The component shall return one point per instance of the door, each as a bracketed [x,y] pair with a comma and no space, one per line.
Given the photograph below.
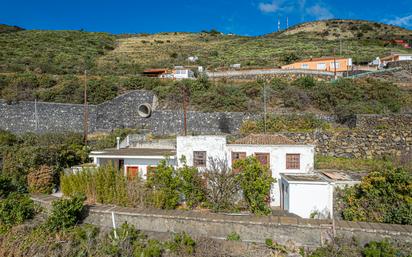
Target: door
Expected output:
[132,171]
[264,159]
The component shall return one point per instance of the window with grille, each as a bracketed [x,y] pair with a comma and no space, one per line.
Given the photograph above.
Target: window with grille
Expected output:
[199,158]
[292,161]
[237,156]
[263,158]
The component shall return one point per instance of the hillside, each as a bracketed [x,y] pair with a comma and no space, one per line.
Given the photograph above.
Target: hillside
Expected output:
[349,29]
[68,52]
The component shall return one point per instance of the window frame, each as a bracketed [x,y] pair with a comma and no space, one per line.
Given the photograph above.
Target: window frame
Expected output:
[293,164]
[204,159]
[241,156]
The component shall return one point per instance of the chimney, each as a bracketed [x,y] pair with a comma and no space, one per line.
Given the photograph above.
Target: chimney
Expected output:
[118,143]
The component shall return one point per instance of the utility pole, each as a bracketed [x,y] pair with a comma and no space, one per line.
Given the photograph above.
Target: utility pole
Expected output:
[185,100]
[36,115]
[264,106]
[85,110]
[334,63]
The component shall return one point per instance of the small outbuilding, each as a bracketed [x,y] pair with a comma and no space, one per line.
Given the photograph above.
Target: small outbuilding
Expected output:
[307,195]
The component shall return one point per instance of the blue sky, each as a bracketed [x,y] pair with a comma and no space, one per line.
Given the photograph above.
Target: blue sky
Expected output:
[245,17]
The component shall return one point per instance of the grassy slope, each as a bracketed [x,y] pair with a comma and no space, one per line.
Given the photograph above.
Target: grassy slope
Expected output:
[61,52]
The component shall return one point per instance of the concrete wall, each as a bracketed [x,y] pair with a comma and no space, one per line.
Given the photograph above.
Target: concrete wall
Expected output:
[303,232]
[304,199]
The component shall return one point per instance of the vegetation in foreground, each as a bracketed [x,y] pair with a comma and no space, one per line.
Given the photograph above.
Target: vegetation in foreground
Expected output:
[61,234]
[166,187]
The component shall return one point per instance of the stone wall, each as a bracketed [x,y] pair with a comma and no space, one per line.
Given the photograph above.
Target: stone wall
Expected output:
[281,229]
[121,112]
[406,65]
[358,143]
[270,73]
[393,121]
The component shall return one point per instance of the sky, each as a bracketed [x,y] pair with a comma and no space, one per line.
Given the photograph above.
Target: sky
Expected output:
[243,17]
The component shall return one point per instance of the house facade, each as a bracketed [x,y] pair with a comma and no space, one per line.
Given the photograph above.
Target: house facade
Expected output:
[322,64]
[395,58]
[281,155]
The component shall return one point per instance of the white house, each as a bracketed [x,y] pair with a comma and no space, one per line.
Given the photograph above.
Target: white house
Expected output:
[182,73]
[279,153]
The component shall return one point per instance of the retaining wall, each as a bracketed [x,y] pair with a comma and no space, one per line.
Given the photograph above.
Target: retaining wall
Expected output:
[303,232]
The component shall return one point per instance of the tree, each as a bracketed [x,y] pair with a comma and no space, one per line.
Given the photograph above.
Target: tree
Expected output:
[255,181]
[222,186]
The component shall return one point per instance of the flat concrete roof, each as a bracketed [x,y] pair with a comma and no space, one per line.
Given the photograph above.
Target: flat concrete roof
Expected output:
[298,177]
[134,152]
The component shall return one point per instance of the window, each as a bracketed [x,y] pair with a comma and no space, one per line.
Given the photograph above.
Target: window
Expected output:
[293,161]
[150,171]
[237,156]
[321,66]
[333,67]
[305,66]
[199,158]
[263,158]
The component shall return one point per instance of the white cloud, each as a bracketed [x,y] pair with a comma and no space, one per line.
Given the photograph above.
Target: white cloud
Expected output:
[272,7]
[319,12]
[405,21]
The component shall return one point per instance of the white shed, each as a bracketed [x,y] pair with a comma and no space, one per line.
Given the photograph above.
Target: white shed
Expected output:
[307,195]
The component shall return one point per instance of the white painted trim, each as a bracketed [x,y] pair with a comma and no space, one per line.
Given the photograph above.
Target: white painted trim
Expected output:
[262,145]
[157,157]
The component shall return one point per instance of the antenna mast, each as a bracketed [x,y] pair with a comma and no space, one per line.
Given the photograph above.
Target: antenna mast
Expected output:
[278,23]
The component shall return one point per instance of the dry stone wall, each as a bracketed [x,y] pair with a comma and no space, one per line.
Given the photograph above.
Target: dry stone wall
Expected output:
[373,135]
[358,143]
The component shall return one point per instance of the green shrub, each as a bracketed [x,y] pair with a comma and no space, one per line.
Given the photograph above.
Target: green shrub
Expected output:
[380,249]
[165,184]
[6,186]
[275,246]
[382,196]
[15,209]
[233,237]
[292,123]
[255,181]
[191,186]
[65,213]
[181,243]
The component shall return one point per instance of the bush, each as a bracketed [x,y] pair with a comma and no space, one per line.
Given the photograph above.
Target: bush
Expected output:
[165,185]
[222,186]
[383,196]
[191,186]
[233,237]
[292,123]
[15,209]
[65,213]
[6,186]
[380,249]
[255,181]
[40,180]
[182,243]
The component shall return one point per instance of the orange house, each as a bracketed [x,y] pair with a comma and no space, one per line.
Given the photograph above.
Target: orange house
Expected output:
[322,64]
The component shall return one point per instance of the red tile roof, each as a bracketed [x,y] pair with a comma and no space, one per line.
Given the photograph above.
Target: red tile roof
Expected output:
[264,139]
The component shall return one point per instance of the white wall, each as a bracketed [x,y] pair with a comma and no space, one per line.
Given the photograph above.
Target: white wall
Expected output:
[141,163]
[405,58]
[278,161]
[305,198]
[215,147]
